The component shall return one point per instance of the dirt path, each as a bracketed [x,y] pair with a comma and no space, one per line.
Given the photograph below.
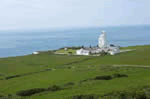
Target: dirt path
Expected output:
[133,65]
[127,50]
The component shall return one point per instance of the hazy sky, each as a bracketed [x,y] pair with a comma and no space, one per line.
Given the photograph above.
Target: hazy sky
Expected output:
[28,14]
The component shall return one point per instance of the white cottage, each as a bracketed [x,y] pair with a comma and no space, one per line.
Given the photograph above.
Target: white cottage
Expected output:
[82,52]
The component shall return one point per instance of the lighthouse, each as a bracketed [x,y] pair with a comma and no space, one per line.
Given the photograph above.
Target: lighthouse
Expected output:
[103,46]
[102,41]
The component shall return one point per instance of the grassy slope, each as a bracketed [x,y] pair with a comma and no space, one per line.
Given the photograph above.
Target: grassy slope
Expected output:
[138,57]
[83,70]
[31,63]
[66,52]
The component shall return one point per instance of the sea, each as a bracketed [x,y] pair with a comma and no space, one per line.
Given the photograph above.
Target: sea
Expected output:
[18,43]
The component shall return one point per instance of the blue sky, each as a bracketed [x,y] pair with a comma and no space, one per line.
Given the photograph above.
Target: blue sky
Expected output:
[32,14]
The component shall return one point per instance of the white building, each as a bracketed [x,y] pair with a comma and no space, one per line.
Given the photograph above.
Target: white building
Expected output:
[35,53]
[102,46]
[114,50]
[82,52]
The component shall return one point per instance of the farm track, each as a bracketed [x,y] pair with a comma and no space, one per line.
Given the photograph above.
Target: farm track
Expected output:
[145,66]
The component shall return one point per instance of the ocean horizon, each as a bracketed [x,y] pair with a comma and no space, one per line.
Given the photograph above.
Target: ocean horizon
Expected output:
[18,43]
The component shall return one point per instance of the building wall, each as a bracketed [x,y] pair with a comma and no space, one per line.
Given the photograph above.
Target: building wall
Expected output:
[82,52]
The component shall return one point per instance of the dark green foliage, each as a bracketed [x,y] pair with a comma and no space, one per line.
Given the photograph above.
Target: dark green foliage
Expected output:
[133,94]
[1,96]
[103,53]
[105,77]
[9,95]
[119,75]
[85,97]
[122,94]
[84,80]
[90,53]
[90,46]
[82,46]
[97,46]
[69,83]
[70,52]
[30,92]
[69,67]
[54,88]
[14,76]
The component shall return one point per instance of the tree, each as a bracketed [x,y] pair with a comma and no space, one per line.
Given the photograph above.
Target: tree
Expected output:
[70,53]
[82,46]
[97,46]
[103,53]
[90,46]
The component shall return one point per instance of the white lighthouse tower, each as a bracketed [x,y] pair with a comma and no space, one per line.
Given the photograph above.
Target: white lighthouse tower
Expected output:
[102,41]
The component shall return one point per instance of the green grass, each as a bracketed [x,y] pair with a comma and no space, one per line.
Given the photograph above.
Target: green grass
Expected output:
[32,63]
[74,69]
[67,51]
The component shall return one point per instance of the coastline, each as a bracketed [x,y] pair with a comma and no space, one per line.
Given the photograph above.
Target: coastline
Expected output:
[127,47]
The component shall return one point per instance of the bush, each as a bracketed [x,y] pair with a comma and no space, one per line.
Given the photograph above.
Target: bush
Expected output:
[54,88]
[14,76]
[9,95]
[1,96]
[70,52]
[30,92]
[105,77]
[119,75]
[127,94]
[69,83]
[48,69]
[85,97]
[103,53]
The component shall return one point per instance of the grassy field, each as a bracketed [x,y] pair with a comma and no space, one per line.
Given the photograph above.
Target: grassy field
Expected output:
[67,51]
[70,77]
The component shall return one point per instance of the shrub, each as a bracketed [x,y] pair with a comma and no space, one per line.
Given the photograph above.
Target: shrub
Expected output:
[105,77]
[85,97]
[126,94]
[14,76]
[69,83]
[9,95]
[103,53]
[70,52]
[48,69]
[1,96]
[84,80]
[30,92]
[69,67]
[119,75]
[54,88]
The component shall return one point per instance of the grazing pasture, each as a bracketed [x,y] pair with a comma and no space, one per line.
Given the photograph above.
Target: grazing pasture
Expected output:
[50,76]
